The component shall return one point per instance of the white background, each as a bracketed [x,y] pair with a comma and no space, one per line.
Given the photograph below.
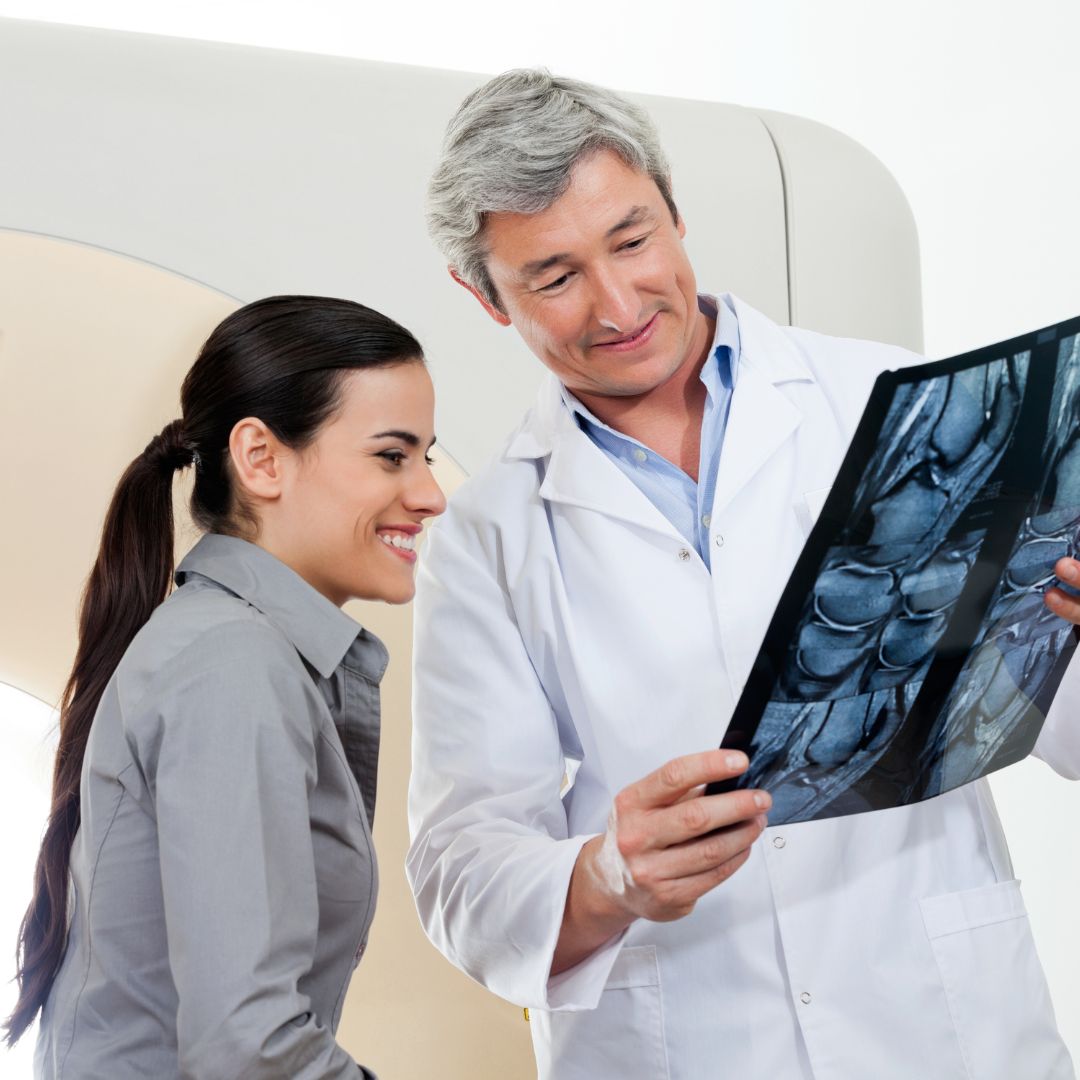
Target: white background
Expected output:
[973,106]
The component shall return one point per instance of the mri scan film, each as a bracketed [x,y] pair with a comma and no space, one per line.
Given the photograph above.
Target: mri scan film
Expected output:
[911,651]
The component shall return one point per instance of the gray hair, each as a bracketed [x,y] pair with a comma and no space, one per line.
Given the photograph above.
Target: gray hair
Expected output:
[512,146]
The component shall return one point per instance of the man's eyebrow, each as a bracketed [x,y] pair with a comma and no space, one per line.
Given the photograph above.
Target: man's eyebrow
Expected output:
[634,216]
[538,266]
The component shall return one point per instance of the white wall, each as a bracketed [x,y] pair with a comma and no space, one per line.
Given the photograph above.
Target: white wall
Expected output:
[972,105]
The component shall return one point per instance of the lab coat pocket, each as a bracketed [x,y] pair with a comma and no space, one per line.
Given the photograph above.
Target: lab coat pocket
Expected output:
[624,1035]
[808,508]
[994,984]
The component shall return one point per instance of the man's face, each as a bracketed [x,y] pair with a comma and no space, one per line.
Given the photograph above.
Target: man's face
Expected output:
[599,285]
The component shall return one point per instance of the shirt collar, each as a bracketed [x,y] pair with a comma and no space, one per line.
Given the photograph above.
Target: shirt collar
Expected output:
[721,365]
[319,630]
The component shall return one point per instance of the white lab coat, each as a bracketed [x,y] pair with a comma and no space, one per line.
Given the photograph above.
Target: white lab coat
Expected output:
[560,615]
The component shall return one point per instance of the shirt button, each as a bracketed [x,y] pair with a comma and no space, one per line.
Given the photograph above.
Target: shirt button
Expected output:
[640,456]
[778,841]
[805,998]
[684,554]
[706,520]
[719,540]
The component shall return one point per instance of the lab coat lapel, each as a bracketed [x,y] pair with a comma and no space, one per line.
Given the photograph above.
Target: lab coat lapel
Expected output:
[761,418]
[578,473]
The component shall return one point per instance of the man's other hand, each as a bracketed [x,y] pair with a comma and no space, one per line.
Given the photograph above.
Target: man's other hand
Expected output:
[1059,601]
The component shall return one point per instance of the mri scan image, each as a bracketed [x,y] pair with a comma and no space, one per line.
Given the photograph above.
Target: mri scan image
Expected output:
[911,651]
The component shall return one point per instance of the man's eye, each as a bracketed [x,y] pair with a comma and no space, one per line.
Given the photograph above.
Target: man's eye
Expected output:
[552,285]
[633,245]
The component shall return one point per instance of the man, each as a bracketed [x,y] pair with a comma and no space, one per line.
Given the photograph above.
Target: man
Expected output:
[597,596]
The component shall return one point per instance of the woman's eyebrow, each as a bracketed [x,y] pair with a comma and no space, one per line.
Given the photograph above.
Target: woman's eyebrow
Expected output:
[404,436]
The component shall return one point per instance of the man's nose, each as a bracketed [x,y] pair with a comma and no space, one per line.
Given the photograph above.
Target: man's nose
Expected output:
[615,302]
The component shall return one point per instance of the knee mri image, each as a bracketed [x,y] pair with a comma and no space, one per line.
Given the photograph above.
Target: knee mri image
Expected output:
[911,651]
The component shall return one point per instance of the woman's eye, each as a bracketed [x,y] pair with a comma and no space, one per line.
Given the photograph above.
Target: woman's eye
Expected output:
[395,457]
[429,459]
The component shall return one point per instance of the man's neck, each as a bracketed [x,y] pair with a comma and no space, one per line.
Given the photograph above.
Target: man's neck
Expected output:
[668,418]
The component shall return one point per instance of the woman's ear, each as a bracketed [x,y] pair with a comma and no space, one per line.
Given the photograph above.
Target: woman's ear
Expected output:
[257,458]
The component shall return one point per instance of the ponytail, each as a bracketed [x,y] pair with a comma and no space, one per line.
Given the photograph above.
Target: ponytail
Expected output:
[130,578]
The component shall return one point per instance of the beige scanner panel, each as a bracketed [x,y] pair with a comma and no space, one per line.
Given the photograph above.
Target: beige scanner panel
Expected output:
[93,348]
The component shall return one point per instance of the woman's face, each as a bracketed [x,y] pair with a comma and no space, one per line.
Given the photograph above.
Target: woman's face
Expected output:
[352,502]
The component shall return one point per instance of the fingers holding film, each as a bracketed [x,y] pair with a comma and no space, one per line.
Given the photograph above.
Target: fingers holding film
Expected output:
[678,777]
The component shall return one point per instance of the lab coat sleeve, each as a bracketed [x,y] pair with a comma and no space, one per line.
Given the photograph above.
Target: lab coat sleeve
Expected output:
[491,859]
[1059,741]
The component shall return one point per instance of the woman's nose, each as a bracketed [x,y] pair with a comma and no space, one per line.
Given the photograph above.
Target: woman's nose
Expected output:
[425,496]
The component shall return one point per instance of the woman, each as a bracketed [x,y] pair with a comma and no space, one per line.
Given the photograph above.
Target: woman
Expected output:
[215,815]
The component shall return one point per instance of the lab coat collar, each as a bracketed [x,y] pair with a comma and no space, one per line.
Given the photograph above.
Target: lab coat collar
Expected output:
[762,417]
[765,347]
[761,420]
[581,475]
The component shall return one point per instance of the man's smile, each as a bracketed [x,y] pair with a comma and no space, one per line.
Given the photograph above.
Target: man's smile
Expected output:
[627,342]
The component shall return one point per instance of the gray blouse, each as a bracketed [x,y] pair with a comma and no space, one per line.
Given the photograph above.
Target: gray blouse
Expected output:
[223,878]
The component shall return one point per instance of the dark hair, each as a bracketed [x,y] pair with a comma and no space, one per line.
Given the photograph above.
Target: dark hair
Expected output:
[283,360]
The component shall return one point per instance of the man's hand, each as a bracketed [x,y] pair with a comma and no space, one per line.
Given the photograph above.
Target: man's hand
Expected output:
[666,845]
[1059,601]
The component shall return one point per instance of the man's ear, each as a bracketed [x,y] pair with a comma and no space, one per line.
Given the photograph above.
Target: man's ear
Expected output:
[257,458]
[499,316]
[680,223]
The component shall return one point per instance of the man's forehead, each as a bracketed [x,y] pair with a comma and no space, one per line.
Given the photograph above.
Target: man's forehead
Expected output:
[605,195]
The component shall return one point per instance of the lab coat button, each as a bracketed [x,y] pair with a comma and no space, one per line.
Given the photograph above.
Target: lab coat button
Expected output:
[805,998]
[684,554]
[719,541]
[778,841]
